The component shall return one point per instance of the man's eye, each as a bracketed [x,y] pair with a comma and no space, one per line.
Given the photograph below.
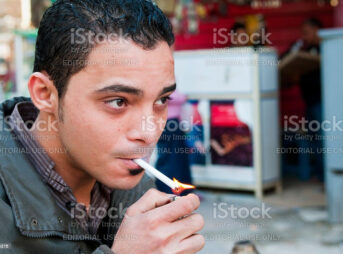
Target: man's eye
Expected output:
[116,103]
[164,100]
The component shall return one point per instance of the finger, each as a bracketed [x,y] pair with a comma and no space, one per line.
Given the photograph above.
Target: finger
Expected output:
[192,244]
[150,200]
[180,207]
[188,226]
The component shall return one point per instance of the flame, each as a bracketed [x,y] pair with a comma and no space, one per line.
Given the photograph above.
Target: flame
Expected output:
[181,187]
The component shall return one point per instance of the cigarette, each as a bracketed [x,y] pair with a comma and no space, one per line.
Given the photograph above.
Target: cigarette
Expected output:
[157,174]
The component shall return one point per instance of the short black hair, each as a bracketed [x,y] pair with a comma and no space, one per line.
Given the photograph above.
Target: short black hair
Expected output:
[313,22]
[58,55]
[237,25]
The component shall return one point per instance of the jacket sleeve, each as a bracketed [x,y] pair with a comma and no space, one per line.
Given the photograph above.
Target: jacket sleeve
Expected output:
[103,249]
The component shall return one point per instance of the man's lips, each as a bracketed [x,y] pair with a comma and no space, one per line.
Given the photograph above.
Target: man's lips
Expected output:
[134,169]
[129,163]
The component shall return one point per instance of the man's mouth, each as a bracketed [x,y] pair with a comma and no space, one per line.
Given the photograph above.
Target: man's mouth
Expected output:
[135,172]
[133,168]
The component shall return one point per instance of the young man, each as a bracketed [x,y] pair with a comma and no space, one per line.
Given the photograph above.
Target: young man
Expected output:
[102,77]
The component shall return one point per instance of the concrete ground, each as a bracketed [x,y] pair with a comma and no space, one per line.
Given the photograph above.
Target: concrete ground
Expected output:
[289,223]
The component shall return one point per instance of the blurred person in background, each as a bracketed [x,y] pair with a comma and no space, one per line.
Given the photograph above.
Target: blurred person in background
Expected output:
[310,87]
[309,41]
[239,35]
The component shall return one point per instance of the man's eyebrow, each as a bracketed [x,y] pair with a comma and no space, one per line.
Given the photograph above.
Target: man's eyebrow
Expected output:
[168,89]
[131,90]
[120,89]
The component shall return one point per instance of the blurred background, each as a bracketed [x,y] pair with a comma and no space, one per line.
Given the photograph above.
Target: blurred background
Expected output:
[259,113]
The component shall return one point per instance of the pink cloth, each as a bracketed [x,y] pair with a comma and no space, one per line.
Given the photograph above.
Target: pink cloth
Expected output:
[175,105]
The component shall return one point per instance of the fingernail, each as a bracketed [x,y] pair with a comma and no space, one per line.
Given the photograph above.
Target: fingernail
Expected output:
[176,197]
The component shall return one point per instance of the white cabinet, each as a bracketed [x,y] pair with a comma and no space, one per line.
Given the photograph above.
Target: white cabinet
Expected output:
[248,79]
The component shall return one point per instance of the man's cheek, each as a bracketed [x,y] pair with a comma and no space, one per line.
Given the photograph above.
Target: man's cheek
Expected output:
[160,131]
[164,122]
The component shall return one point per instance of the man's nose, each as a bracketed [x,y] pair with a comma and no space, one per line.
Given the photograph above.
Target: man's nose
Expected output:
[146,129]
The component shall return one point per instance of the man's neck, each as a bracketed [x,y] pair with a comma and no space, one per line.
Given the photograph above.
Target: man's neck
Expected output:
[78,180]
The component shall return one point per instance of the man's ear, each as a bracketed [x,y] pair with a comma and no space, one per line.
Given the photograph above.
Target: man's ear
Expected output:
[43,93]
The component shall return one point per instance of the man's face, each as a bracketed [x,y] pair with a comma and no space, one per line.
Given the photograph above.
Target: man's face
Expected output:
[310,34]
[240,38]
[115,110]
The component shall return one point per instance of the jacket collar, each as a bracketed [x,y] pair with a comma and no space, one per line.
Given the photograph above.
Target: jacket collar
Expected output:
[35,210]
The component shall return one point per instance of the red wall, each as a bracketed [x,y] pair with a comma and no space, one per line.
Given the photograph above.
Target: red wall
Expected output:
[283,24]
